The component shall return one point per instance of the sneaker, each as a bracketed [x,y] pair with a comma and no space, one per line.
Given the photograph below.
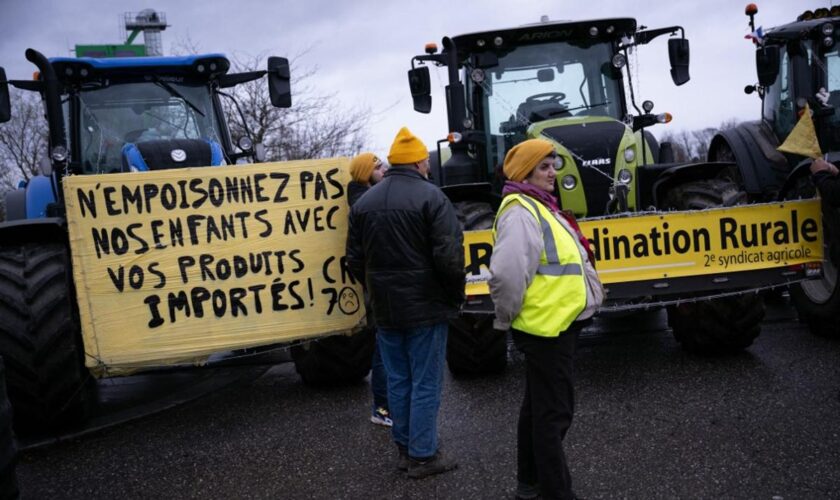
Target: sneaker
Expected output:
[436,464]
[402,458]
[381,417]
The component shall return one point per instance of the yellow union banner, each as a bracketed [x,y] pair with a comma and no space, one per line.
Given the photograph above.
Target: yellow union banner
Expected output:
[679,244]
[175,265]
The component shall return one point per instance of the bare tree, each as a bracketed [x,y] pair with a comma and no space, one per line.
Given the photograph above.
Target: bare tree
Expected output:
[23,140]
[693,145]
[315,126]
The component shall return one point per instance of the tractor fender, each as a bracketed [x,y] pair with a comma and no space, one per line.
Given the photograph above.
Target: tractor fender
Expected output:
[45,229]
[752,147]
[38,194]
[681,174]
[478,191]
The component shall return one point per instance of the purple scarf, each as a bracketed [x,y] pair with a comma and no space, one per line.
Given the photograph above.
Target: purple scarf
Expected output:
[544,197]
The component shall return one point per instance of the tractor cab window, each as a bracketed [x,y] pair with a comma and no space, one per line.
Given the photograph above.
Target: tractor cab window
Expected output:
[534,83]
[111,115]
[832,86]
[779,107]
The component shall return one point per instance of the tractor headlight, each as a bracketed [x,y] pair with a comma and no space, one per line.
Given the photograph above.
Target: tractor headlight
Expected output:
[559,163]
[828,41]
[59,153]
[568,182]
[827,29]
[629,154]
[625,176]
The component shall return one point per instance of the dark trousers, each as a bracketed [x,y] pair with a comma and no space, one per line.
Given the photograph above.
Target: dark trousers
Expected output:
[546,412]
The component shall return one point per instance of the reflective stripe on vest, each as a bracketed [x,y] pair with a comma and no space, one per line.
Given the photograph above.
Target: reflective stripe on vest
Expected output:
[557,294]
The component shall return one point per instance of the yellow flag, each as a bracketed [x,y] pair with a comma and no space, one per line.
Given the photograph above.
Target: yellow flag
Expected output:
[803,138]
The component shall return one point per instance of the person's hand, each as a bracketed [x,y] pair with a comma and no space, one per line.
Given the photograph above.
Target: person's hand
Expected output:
[820,165]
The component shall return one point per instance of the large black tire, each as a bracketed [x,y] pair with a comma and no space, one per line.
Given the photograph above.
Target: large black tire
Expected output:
[719,326]
[8,448]
[40,342]
[336,360]
[474,347]
[818,301]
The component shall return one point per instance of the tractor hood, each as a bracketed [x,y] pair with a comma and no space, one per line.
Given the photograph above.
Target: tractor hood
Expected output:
[591,146]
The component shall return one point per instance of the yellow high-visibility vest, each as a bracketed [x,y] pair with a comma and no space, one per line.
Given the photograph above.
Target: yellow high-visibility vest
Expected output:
[557,294]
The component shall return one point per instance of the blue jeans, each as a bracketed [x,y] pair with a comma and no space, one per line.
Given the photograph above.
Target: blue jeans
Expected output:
[414,359]
[378,381]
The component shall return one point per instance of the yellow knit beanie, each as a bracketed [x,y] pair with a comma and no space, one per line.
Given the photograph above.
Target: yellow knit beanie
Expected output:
[407,149]
[524,157]
[361,167]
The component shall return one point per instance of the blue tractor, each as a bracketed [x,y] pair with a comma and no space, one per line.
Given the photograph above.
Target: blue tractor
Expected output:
[104,115]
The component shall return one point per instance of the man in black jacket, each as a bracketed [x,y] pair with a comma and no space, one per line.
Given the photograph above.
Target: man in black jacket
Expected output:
[406,245]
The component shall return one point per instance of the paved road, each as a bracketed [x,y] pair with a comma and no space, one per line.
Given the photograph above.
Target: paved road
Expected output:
[652,422]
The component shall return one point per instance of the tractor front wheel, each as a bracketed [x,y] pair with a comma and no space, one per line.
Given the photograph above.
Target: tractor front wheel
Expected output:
[48,384]
[717,326]
[473,346]
[336,360]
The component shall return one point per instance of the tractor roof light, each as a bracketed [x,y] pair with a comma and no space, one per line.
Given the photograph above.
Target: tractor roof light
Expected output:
[835,11]
[480,42]
[498,41]
[593,31]
[245,143]
[805,16]
[610,29]
[431,48]
[821,13]
[619,61]
[751,10]
[664,118]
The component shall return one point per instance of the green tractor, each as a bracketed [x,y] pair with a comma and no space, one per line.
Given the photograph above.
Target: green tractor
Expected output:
[565,82]
[797,64]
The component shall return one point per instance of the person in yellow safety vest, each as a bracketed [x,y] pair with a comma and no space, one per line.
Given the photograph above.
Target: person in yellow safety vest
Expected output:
[543,284]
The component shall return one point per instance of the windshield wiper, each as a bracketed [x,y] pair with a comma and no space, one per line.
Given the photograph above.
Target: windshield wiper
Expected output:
[589,107]
[173,91]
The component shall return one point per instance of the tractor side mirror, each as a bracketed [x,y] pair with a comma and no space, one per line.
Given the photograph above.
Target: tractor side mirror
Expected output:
[279,82]
[421,88]
[767,64]
[678,55]
[5,105]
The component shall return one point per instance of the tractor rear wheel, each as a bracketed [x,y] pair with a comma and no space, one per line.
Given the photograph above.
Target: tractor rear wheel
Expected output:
[474,347]
[40,342]
[717,326]
[336,360]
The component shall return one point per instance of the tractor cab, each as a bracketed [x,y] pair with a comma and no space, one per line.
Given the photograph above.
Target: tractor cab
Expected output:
[799,63]
[133,114]
[561,81]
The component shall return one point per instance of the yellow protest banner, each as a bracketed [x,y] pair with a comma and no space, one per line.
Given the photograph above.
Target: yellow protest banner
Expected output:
[174,265]
[802,140]
[679,244]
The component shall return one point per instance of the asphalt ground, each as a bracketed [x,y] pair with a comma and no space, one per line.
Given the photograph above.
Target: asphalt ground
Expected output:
[651,422]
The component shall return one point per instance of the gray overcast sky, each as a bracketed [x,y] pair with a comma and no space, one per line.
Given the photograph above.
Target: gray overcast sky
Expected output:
[362,48]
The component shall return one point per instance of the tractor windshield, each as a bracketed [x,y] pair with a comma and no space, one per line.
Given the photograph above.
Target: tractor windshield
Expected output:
[112,115]
[533,83]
